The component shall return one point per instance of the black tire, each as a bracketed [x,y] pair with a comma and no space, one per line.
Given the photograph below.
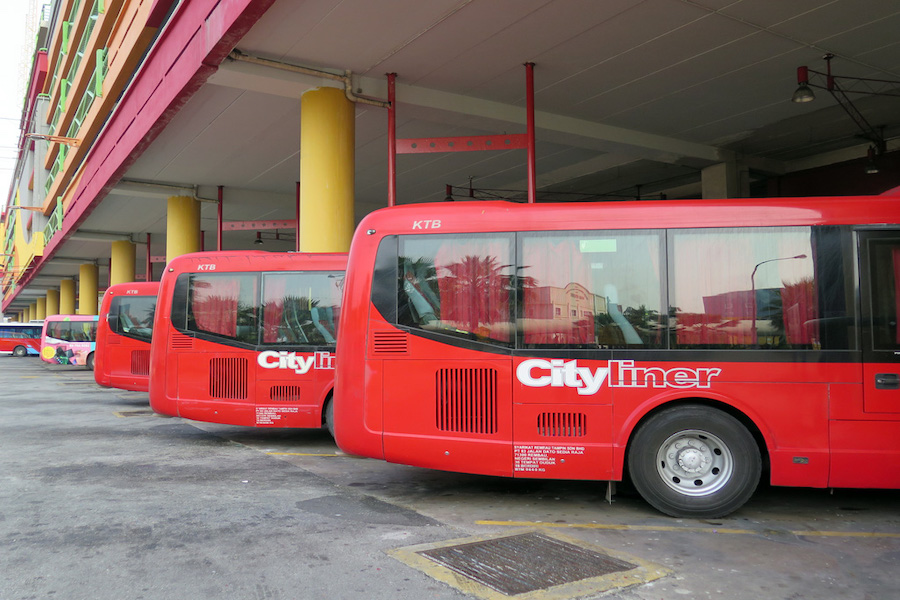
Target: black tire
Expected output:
[329,415]
[19,351]
[694,461]
[89,362]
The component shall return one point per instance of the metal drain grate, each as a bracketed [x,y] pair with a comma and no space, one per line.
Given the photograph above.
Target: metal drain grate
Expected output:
[525,563]
[135,413]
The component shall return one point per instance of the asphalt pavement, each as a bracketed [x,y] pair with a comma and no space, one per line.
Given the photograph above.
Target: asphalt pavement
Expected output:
[102,499]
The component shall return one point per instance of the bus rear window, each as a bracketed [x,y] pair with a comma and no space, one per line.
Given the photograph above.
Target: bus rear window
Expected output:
[134,316]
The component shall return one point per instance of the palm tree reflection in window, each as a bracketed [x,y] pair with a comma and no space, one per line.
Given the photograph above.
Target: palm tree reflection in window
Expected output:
[468,297]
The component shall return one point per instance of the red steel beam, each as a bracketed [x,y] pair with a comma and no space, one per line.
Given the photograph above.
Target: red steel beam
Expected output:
[258,225]
[518,141]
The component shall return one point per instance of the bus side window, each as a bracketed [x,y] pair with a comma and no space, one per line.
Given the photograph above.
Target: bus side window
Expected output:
[224,305]
[590,289]
[300,307]
[885,269]
[744,288]
[460,285]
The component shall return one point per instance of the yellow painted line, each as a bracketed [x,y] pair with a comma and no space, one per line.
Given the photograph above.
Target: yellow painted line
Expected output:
[677,529]
[301,454]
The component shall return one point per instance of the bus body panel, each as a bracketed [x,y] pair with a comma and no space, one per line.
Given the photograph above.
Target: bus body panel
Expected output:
[865,454]
[244,392]
[809,413]
[882,397]
[472,401]
[123,361]
[69,339]
[206,378]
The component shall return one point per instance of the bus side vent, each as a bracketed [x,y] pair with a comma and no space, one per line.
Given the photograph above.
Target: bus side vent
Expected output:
[228,378]
[562,424]
[284,393]
[389,342]
[466,400]
[140,362]
[181,342]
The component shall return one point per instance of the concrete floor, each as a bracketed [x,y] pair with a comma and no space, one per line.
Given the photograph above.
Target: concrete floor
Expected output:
[101,499]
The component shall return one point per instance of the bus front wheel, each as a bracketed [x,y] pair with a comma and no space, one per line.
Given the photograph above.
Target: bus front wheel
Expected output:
[695,462]
[19,351]
[89,362]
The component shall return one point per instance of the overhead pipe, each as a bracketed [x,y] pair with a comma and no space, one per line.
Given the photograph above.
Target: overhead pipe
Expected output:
[346,78]
[392,140]
[219,220]
[149,267]
[297,208]
[529,108]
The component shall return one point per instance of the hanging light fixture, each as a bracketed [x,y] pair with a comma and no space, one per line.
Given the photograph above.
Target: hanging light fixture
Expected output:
[839,86]
[258,241]
[871,166]
[803,93]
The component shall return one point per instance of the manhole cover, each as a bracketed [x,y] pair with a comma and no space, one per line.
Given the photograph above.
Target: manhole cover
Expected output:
[528,565]
[524,563]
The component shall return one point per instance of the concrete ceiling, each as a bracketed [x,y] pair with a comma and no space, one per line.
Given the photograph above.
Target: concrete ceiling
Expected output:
[628,93]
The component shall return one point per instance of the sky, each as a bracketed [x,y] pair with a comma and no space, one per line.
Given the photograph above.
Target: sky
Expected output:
[16,46]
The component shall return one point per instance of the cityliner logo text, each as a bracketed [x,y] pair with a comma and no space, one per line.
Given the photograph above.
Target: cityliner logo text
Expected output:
[538,372]
[270,359]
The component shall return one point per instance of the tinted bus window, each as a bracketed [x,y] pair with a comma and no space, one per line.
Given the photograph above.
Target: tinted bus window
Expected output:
[461,286]
[590,289]
[134,316]
[301,308]
[295,308]
[885,260]
[744,288]
[223,306]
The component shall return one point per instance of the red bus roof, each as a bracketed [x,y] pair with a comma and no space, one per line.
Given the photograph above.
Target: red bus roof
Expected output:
[258,260]
[453,217]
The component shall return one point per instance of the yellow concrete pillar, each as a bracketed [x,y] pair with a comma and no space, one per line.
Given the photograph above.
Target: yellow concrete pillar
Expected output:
[88,276]
[52,302]
[67,297]
[182,226]
[32,311]
[327,142]
[41,308]
[121,262]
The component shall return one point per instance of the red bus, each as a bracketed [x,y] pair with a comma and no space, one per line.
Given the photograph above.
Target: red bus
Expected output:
[124,331]
[20,339]
[247,338]
[694,345]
